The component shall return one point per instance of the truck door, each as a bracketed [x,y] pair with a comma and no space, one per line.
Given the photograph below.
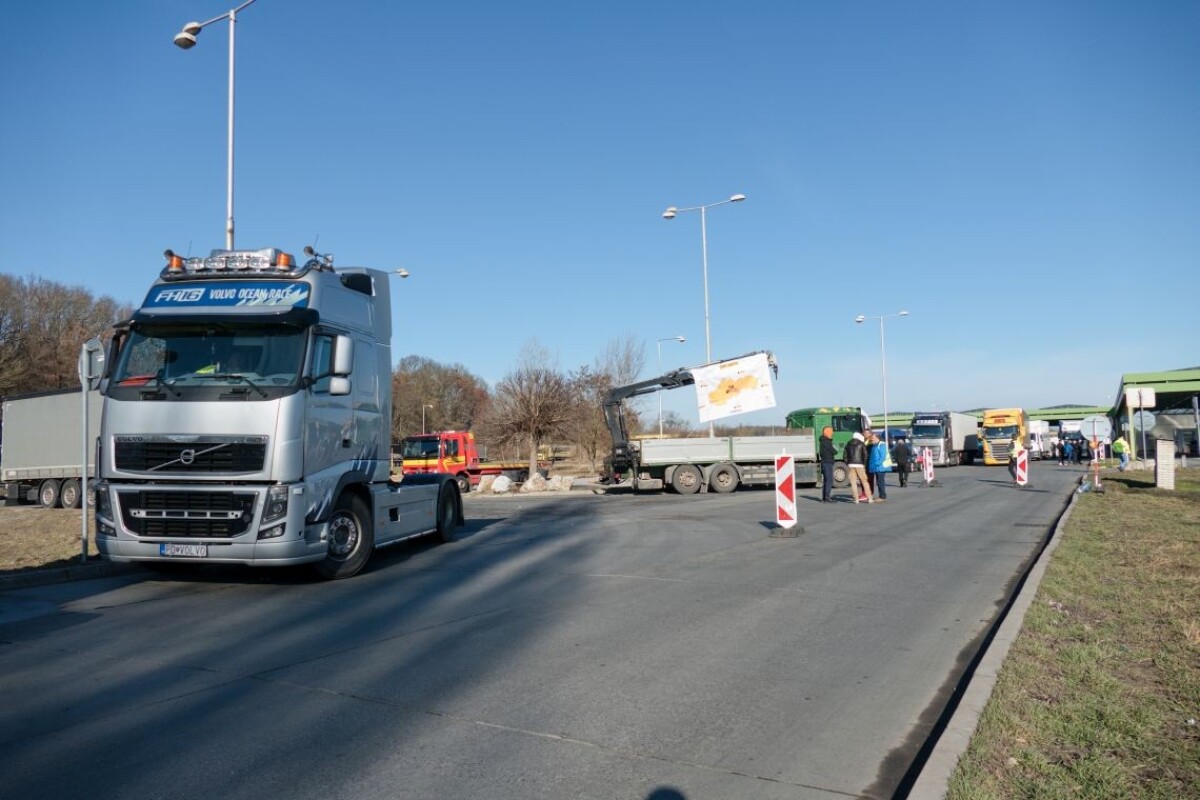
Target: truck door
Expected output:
[328,429]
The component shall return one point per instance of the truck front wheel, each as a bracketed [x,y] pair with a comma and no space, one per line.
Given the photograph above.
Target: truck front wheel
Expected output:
[351,539]
[48,493]
[841,475]
[447,514]
[686,479]
[464,482]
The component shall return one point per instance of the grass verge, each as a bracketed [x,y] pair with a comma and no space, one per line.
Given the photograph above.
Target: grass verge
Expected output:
[1099,696]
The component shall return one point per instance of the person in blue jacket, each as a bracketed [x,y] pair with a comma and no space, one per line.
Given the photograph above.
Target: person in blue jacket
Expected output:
[876,468]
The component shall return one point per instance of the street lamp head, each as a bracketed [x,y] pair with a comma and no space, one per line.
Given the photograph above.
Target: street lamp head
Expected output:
[669,213]
[902,314]
[402,272]
[860,318]
[737,198]
[186,38]
[680,339]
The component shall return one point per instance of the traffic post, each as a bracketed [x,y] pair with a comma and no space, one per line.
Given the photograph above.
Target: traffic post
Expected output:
[1022,467]
[785,497]
[927,467]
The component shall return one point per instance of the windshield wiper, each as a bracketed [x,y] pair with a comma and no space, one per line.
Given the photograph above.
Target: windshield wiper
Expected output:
[230,376]
[159,383]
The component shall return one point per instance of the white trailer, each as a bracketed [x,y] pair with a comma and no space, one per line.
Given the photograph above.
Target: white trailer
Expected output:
[1039,439]
[43,446]
[689,465]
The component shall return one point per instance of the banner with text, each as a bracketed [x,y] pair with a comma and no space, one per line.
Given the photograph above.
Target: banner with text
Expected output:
[734,387]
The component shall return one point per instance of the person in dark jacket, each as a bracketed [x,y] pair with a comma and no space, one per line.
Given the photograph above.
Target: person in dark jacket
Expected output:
[902,457]
[856,462]
[828,455]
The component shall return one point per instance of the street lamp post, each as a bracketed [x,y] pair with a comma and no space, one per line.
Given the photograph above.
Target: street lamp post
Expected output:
[670,213]
[681,340]
[186,39]
[883,355]
[423,407]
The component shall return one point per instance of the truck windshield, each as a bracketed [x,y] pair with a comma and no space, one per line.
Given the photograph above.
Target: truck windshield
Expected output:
[927,432]
[178,355]
[1000,431]
[419,448]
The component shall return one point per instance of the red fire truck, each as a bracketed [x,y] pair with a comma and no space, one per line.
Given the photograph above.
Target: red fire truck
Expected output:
[455,453]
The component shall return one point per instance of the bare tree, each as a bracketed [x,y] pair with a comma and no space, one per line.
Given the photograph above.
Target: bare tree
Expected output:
[532,404]
[619,364]
[43,325]
[450,397]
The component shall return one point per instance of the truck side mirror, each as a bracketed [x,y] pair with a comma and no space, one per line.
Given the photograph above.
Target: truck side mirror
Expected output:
[339,386]
[343,357]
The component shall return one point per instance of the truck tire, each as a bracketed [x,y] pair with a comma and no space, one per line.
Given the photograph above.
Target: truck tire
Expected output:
[841,475]
[447,514]
[464,482]
[69,494]
[49,493]
[351,539]
[686,479]
[724,478]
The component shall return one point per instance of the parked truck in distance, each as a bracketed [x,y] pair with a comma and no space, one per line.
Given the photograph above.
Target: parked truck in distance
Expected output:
[247,419]
[845,421]
[952,438]
[1039,439]
[455,453]
[999,427]
[42,448]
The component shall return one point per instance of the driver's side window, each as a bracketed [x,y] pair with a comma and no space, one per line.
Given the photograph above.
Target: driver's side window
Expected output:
[322,362]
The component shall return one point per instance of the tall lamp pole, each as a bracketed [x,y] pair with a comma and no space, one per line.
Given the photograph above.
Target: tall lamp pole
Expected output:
[681,340]
[186,39]
[671,213]
[423,407]
[883,355]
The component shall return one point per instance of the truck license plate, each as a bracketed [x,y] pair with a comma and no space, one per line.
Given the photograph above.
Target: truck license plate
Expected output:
[183,550]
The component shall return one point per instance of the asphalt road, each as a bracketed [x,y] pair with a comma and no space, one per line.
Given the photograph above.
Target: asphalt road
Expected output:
[563,647]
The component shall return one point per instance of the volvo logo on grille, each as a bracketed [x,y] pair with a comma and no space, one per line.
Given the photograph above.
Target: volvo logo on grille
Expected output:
[187,456]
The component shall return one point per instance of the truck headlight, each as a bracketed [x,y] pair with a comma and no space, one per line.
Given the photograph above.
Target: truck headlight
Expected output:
[276,507]
[104,515]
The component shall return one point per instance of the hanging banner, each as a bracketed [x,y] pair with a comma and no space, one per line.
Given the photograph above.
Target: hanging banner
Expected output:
[734,387]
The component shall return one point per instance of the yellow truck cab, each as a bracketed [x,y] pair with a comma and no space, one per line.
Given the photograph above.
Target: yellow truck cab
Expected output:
[999,425]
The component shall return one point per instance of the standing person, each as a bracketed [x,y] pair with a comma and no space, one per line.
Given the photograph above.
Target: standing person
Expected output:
[902,456]
[1122,452]
[1014,449]
[856,462]
[828,455]
[877,469]
[1068,451]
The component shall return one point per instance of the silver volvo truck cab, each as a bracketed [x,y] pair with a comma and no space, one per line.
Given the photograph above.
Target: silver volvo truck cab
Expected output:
[247,419]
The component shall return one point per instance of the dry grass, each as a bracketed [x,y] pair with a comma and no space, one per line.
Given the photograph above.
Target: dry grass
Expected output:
[1100,694]
[32,537]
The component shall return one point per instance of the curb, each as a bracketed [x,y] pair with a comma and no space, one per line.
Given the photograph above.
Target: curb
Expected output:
[933,782]
[79,572]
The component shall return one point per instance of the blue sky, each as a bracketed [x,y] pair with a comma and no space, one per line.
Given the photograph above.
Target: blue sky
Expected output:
[1022,177]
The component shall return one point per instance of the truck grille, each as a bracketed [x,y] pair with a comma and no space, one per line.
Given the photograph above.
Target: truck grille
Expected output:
[1000,451]
[205,454]
[219,515]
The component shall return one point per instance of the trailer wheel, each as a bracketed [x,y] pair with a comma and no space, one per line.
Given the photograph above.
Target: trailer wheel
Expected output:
[448,514]
[723,479]
[464,482]
[351,539]
[48,493]
[69,494]
[522,476]
[686,479]
[841,475]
